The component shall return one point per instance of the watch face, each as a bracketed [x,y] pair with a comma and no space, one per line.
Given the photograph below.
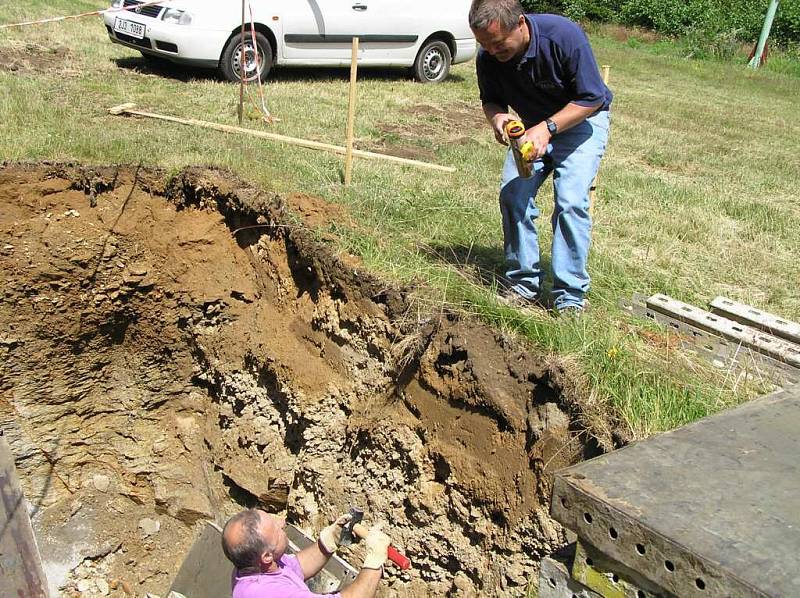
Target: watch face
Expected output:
[552,127]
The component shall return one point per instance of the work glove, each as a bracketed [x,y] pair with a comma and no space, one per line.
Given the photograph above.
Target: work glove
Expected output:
[377,544]
[330,536]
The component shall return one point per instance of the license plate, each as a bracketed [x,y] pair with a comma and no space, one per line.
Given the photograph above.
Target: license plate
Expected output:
[131,28]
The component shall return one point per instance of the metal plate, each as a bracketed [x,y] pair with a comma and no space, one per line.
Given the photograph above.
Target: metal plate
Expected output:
[555,580]
[722,353]
[20,564]
[609,578]
[710,509]
[770,345]
[756,318]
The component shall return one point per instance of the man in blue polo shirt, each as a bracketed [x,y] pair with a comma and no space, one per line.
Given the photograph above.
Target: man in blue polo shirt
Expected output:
[543,68]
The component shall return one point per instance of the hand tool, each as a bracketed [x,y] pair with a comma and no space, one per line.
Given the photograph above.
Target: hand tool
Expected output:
[354,529]
[522,150]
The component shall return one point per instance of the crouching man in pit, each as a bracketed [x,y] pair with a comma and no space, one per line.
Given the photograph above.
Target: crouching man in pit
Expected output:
[254,541]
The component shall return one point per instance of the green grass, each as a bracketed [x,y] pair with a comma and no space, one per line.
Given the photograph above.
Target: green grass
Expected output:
[698,191]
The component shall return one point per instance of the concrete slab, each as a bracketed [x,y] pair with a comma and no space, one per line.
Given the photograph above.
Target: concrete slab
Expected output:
[710,509]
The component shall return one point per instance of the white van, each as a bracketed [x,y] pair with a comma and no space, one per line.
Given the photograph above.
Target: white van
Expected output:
[427,36]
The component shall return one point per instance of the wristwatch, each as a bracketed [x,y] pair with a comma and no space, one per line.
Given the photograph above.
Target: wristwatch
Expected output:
[551,126]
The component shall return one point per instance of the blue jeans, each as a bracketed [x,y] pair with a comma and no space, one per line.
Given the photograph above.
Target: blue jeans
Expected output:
[573,157]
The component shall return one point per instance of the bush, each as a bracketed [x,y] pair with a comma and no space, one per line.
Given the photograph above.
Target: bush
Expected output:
[703,20]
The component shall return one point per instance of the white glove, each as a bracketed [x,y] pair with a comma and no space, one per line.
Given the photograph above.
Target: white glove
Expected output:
[377,544]
[330,536]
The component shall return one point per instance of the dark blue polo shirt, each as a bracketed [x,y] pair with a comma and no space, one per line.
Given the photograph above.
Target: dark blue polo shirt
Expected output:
[557,68]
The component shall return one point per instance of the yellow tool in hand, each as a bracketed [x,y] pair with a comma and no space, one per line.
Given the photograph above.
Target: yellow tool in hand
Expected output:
[523,150]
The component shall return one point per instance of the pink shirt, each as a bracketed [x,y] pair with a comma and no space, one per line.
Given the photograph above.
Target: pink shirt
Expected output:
[286,582]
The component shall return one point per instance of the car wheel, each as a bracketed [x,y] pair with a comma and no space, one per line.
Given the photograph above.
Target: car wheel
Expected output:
[433,62]
[231,62]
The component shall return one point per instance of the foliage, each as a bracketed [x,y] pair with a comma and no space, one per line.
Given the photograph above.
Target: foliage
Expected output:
[704,20]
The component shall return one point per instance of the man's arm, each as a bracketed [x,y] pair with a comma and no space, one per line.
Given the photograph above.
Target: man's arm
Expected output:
[588,89]
[566,118]
[497,117]
[313,558]
[366,584]
[571,115]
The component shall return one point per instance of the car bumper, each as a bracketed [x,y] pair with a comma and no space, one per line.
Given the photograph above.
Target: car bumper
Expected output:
[179,43]
[465,50]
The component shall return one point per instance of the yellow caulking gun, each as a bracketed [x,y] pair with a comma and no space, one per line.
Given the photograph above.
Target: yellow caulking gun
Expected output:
[523,150]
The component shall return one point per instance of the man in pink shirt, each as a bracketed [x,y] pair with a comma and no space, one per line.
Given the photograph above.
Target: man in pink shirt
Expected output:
[254,541]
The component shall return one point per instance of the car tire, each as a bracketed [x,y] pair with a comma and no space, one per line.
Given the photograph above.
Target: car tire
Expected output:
[229,63]
[433,62]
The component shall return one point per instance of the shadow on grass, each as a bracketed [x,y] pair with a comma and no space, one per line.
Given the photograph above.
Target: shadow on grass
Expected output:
[164,68]
[482,264]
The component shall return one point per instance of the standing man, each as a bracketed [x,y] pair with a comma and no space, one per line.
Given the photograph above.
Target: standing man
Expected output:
[254,541]
[543,67]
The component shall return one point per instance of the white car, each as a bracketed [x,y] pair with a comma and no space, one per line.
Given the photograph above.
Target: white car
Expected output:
[427,35]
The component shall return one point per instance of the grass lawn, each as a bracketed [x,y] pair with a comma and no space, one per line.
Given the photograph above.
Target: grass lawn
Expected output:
[698,194]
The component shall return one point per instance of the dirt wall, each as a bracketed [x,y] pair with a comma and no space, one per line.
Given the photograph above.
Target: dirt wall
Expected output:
[175,348]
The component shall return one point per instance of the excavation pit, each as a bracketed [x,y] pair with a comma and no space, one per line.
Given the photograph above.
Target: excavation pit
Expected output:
[175,348]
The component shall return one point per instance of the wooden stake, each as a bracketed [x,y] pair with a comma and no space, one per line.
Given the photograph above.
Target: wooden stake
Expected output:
[351,114]
[593,189]
[606,71]
[129,108]
[240,112]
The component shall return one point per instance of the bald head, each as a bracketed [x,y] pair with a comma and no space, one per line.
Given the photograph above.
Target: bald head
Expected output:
[254,540]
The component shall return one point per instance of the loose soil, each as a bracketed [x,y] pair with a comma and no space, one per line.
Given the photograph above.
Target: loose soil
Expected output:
[32,58]
[431,126]
[173,349]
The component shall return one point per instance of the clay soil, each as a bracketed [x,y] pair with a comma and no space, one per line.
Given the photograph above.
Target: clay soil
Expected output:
[173,349]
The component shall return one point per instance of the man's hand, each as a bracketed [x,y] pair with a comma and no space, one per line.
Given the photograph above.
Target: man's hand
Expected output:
[330,536]
[498,122]
[539,136]
[377,544]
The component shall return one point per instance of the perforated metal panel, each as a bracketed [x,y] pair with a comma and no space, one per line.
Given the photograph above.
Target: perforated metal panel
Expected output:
[764,321]
[710,509]
[555,580]
[609,578]
[724,353]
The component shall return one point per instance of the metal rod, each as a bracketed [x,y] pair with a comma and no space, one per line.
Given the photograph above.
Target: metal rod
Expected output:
[755,62]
